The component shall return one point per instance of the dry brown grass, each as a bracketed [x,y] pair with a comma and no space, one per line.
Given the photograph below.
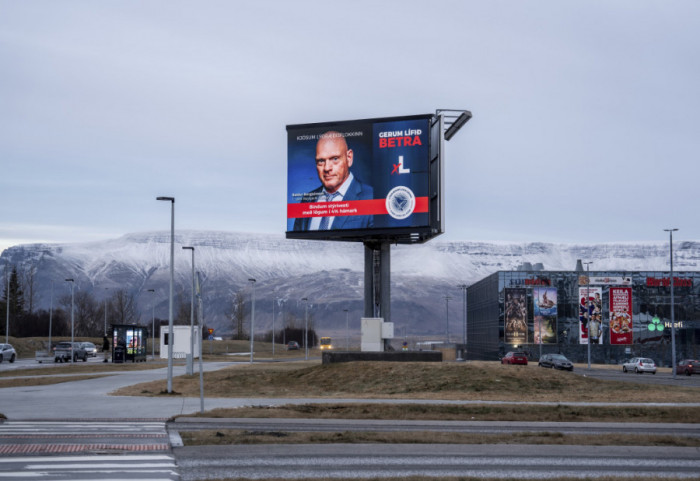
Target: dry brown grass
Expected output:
[233,436]
[488,381]
[462,412]
[41,381]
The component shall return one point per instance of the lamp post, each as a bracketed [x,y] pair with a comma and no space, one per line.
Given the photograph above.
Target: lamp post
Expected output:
[72,319]
[347,331]
[50,316]
[464,309]
[306,327]
[7,319]
[189,364]
[252,321]
[105,329]
[274,301]
[447,317]
[153,324]
[588,309]
[172,282]
[673,317]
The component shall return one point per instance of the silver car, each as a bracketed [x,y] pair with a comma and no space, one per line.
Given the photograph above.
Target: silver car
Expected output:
[640,365]
[7,353]
[89,348]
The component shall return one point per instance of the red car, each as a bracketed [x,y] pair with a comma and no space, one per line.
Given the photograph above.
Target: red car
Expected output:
[515,357]
[688,367]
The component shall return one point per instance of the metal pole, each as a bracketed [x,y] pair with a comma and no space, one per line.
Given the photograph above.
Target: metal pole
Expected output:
[447,317]
[105,329]
[588,309]
[189,365]
[252,321]
[464,309]
[7,319]
[673,317]
[347,331]
[201,368]
[273,327]
[72,320]
[306,328]
[50,316]
[172,282]
[153,324]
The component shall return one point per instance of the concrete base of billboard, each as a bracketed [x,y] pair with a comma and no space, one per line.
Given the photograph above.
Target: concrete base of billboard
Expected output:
[397,356]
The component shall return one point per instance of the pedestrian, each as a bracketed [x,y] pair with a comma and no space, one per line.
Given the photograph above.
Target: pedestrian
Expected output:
[105,348]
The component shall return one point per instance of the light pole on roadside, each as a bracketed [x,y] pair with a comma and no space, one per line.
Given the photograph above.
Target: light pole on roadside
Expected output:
[306,328]
[153,324]
[589,310]
[105,333]
[252,320]
[447,317]
[347,330]
[7,301]
[190,368]
[172,282]
[72,320]
[464,313]
[673,317]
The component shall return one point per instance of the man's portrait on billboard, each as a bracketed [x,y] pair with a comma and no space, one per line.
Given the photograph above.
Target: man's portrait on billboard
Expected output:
[334,160]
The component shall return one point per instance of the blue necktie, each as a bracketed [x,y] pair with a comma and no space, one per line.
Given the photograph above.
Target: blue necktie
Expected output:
[325,221]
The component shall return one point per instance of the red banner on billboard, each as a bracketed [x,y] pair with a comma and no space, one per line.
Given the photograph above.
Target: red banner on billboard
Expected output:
[352,207]
[620,315]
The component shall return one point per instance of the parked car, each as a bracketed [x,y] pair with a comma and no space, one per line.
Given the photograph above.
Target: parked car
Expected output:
[64,350]
[556,361]
[90,348]
[7,353]
[515,357]
[640,365]
[292,346]
[688,367]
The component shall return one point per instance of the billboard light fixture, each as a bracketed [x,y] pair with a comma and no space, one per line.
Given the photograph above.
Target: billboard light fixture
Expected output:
[454,120]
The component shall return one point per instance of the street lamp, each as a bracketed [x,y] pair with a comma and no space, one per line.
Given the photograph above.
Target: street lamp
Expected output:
[106,288]
[447,317]
[189,364]
[72,320]
[172,282]
[252,321]
[306,327]
[153,324]
[673,319]
[347,331]
[7,319]
[464,308]
[589,310]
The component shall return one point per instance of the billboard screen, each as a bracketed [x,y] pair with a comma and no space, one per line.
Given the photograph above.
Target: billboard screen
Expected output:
[544,302]
[363,179]
[620,315]
[590,315]
[515,316]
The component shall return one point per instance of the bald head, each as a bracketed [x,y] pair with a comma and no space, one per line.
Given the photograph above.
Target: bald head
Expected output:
[333,160]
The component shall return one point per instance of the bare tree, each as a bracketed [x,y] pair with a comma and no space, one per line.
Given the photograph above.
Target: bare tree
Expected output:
[85,312]
[237,315]
[123,308]
[29,281]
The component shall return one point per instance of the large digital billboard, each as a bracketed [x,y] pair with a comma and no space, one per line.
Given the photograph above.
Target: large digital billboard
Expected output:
[365,179]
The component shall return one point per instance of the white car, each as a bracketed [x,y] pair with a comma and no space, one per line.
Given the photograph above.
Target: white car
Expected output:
[7,353]
[89,348]
[640,365]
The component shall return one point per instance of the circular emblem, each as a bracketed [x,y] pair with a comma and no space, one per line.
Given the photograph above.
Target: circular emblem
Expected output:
[400,202]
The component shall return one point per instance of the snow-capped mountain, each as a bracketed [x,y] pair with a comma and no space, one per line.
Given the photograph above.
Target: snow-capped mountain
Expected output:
[329,274]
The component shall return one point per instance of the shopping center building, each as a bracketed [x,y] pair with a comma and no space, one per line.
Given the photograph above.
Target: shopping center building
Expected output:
[625,314]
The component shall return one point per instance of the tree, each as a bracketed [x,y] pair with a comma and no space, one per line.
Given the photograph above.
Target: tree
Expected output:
[15,292]
[123,308]
[86,313]
[29,281]
[237,315]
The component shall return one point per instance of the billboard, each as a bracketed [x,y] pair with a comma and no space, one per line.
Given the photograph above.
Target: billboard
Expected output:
[544,301]
[515,316]
[590,314]
[365,179]
[620,315]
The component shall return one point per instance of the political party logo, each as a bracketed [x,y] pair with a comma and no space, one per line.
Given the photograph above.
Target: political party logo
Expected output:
[400,202]
[399,168]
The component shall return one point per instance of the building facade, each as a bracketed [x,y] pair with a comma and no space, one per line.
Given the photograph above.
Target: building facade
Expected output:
[625,314]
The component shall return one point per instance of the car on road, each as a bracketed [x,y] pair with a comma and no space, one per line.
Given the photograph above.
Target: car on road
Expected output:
[7,353]
[90,348]
[65,350]
[640,365]
[292,346]
[515,357]
[555,361]
[688,367]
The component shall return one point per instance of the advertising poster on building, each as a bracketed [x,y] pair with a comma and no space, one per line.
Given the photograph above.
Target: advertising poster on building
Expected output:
[620,315]
[515,316]
[545,315]
[590,314]
[358,175]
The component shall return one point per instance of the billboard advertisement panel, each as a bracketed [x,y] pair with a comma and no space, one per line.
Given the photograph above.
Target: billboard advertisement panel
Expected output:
[356,179]
[515,316]
[590,314]
[620,315]
[544,301]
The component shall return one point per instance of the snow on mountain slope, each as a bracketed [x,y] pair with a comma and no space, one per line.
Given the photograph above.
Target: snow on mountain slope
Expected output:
[330,274]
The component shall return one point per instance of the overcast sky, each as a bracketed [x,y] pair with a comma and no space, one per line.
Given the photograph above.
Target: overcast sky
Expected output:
[586,113]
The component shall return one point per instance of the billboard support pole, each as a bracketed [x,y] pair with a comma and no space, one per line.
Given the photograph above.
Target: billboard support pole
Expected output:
[378,280]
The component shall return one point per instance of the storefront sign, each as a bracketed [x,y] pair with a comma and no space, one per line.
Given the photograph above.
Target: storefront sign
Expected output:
[666,282]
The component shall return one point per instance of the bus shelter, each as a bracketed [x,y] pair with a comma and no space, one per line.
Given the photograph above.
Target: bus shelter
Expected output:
[129,343]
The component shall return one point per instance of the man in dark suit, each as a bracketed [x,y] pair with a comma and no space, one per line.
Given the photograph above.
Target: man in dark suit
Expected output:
[333,162]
